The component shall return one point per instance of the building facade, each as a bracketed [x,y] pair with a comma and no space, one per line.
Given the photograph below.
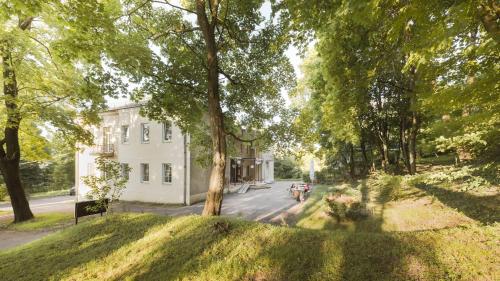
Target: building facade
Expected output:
[163,167]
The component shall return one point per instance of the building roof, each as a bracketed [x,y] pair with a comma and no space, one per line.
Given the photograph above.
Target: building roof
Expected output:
[125,106]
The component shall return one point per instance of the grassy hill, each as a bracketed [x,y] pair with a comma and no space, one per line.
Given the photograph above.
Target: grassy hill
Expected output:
[149,247]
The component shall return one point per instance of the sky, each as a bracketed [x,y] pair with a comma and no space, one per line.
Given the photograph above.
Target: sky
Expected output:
[292,53]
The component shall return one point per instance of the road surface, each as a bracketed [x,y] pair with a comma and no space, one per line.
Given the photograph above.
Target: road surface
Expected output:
[263,205]
[45,205]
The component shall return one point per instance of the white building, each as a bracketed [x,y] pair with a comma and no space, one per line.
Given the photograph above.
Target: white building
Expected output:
[163,166]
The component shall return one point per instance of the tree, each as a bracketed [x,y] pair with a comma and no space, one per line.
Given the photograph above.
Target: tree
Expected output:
[392,69]
[218,62]
[47,77]
[108,184]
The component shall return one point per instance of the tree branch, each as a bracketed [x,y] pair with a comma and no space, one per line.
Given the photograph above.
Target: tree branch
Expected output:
[229,133]
[26,23]
[174,6]
[179,31]
[46,48]
[390,83]
[231,79]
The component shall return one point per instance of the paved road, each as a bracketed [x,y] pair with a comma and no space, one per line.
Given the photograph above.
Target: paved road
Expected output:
[45,205]
[260,205]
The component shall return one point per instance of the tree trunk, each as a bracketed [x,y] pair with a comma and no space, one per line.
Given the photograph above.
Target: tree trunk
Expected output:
[366,165]
[384,151]
[352,164]
[214,198]
[403,143]
[11,154]
[412,144]
[412,138]
[489,13]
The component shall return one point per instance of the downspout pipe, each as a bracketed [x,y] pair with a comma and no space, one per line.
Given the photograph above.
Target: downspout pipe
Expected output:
[185,169]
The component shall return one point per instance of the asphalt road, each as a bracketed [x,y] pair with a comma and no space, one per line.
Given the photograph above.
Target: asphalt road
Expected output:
[263,205]
[45,205]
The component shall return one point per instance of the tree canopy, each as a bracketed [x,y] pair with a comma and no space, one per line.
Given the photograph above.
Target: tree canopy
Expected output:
[394,75]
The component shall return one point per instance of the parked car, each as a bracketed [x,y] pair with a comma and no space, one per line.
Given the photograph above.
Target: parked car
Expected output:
[300,191]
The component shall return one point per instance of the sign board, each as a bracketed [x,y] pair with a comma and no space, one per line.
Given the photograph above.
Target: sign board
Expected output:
[87,208]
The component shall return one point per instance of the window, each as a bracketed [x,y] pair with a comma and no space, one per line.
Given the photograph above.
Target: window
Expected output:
[106,140]
[167,173]
[145,133]
[125,134]
[167,131]
[144,172]
[124,170]
[90,169]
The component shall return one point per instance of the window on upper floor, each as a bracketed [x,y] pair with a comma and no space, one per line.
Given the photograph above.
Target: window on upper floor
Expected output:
[145,133]
[167,131]
[167,173]
[144,172]
[125,132]
[106,139]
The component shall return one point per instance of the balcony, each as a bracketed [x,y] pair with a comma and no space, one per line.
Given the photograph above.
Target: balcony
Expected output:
[107,150]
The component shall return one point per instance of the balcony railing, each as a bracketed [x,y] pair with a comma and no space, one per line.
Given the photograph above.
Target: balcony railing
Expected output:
[103,150]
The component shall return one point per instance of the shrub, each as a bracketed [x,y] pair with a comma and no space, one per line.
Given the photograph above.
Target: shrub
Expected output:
[306,178]
[469,177]
[389,186]
[343,206]
[357,211]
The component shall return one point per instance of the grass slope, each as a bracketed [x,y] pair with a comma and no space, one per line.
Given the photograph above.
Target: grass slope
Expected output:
[148,247]
[44,221]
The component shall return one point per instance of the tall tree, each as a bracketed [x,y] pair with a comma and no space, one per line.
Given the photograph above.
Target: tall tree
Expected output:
[219,62]
[46,78]
[404,63]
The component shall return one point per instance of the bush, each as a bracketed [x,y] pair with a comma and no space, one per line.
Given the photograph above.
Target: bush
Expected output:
[3,192]
[343,206]
[306,178]
[287,168]
[357,211]
[468,177]
[389,186]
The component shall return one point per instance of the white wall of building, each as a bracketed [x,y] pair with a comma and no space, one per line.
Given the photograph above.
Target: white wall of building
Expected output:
[154,153]
[189,182]
[268,167]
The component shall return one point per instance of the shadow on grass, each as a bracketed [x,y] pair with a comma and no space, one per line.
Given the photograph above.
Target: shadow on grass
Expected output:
[181,255]
[370,253]
[295,255]
[484,209]
[73,248]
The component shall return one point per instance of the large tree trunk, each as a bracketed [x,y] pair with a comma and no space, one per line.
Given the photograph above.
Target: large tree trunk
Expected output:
[213,202]
[11,154]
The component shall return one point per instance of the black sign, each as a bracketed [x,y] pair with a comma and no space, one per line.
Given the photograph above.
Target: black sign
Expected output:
[87,208]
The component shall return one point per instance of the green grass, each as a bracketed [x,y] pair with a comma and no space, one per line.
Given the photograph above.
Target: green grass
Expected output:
[149,247]
[398,206]
[445,159]
[41,221]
